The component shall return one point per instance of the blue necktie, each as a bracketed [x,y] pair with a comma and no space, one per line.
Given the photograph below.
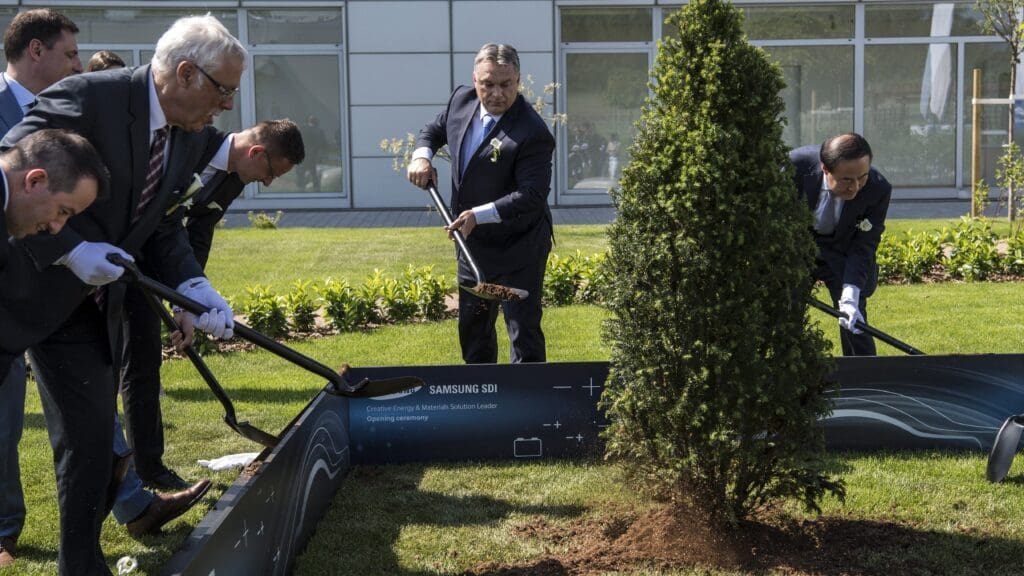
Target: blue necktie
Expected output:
[827,216]
[470,146]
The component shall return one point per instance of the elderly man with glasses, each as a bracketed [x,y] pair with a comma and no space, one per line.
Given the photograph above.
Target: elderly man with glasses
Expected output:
[146,122]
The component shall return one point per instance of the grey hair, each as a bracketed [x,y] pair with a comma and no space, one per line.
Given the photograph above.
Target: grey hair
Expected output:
[500,54]
[202,40]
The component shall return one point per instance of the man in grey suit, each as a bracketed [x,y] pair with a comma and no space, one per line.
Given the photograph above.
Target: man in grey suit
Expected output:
[849,199]
[501,176]
[41,49]
[146,124]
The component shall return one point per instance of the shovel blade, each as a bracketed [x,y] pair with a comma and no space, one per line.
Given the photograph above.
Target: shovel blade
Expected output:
[489,291]
[380,387]
[250,432]
[1004,449]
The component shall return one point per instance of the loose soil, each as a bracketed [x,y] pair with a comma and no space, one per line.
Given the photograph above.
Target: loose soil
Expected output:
[673,537]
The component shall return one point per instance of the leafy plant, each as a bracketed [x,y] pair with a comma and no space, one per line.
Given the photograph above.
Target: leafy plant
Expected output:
[427,291]
[909,257]
[397,304]
[594,279]
[969,251]
[264,311]
[344,307]
[263,221]
[372,292]
[717,378]
[561,279]
[302,306]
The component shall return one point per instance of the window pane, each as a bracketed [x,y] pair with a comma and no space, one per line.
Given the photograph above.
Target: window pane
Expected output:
[910,112]
[606,25]
[940,19]
[604,94]
[295,27]
[994,62]
[793,22]
[127,25]
[307,90]
[818,92]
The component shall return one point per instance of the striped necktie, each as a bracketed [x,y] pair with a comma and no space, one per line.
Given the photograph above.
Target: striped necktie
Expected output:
[154,173]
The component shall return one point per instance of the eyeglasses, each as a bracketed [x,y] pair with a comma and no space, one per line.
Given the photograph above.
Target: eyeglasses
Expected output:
[225,93]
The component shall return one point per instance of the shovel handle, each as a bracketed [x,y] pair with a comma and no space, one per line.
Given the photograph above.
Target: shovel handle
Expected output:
[898,344]
[447,217]
[242,330]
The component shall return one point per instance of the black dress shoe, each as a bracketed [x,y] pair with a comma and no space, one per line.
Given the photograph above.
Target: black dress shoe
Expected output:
[167,507]
[164,479]
[117,474]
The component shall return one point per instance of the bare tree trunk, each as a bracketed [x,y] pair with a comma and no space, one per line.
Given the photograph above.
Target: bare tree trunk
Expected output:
[1010,197]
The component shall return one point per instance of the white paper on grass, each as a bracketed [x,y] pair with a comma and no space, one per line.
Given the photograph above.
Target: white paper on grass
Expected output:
[229,461]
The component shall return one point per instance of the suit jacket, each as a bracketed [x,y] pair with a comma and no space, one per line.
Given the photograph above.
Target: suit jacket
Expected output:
[518,182]
[849,252]
[10,111]
[211,202]
[111,109]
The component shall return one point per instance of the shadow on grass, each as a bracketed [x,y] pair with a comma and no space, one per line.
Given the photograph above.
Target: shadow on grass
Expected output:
[360,531]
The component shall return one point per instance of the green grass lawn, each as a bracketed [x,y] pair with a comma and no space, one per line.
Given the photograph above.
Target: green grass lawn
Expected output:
[446,519]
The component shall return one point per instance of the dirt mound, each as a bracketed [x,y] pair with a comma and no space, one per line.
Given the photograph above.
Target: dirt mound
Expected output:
[674,537]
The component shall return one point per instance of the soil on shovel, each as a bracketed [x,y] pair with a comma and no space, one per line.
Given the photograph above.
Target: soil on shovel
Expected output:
[673,537]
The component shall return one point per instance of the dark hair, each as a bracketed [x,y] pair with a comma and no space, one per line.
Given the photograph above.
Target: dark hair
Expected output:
[45,24]
[848,146]
[66,156]
[104,60]
[500,54]
[282,137]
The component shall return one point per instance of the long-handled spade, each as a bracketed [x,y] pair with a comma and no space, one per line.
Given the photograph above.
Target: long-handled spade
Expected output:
[339,384]
[481,289]
[1004,448]
[898,344]
[245,429]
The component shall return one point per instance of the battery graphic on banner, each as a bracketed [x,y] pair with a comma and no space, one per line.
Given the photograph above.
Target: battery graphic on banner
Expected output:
[528,447]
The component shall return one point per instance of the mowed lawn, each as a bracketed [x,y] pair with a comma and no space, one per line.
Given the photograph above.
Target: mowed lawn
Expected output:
[939,319]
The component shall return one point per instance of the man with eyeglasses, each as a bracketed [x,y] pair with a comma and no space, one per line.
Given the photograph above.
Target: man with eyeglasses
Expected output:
[146,122]
[262,153]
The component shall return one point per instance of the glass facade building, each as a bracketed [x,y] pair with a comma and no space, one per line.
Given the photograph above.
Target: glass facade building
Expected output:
[353,73]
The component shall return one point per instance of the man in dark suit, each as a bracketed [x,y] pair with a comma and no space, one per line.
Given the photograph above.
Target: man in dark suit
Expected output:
[45,179]
[146,124]
[40,48]
[501,176]
[849,200]
[262,153]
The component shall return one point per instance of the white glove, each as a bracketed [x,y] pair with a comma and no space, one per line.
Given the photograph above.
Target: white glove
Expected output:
[229,461]
[849,305]
[89,262]
[219,322]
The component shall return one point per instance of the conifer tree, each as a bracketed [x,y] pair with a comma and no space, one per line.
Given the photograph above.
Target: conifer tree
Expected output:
[717,376]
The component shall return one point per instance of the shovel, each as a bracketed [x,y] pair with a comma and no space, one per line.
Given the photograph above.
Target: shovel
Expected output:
[339,384]
[244,429]
[898,344]
[482,289]
[1004,449]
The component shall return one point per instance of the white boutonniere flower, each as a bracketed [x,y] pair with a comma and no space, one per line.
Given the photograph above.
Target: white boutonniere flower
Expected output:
[495,149]
[864,225]
[186,198]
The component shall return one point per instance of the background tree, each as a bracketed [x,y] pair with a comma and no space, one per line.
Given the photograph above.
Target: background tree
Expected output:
[717,377]
[1003,18]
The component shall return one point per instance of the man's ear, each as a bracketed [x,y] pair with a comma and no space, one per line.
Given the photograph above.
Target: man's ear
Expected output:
[183,72]
[36,180]
[255,150]
[35,49]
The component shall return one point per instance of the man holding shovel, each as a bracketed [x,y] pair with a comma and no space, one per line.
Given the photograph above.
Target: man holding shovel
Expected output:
[849,200]
[501,176]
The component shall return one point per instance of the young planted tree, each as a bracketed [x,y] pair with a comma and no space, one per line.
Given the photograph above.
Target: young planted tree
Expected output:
[717,377]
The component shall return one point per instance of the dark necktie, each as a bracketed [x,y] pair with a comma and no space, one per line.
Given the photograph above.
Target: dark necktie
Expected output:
[154,173]
[827,219]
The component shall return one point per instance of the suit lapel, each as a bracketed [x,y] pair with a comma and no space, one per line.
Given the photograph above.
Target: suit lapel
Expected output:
[812,184]
[138,110]
[10,112]
[464,120]
[507,119]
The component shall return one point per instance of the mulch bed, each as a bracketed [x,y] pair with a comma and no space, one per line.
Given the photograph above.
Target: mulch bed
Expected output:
[673,537]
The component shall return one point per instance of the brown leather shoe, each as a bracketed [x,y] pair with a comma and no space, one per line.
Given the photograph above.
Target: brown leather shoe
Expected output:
[8,551]
[167,507]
